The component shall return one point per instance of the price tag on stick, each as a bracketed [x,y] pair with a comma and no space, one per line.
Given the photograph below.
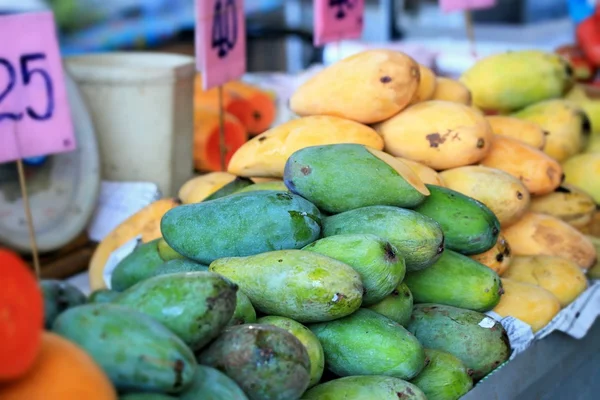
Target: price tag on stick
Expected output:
[337,20]
[35,119]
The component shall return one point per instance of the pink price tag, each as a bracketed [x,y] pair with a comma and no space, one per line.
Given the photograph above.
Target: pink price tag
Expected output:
[456,5]
[220,41]
[337,20]
[35,119]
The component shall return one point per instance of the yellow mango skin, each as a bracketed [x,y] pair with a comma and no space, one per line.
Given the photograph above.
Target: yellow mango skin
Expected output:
[540,234]
[501,192]
[367,87]
[451,90]
[583,171]
[439,134]
[525,131]
[561,277]
[200,187]
[539,173]
[513,80]
[265,155]
[591,107]
[530,303]
[498,258]
[594,271]
[566,123]
[568,203]
[427,175]
[426,85]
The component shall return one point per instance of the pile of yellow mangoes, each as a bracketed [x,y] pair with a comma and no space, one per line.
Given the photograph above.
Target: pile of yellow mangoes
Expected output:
[513,132]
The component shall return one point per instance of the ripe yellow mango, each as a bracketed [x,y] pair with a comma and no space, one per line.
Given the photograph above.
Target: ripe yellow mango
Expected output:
[498,258]
[529,303]
[561,277]
[523,130]
[426,85]
[367,87]
[200,187]
[451,90]
[541,234]
[539,173]
[591,106]
[583,171]
[439,134]
[265,155]
[427,175]
[568,203]
[501,192]
[594,271]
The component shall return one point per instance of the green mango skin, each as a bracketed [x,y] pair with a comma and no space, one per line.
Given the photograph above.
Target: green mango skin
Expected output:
[166,252]
[342,177]
[444,378]
[366,387]
[136,266]
[179,265]
[301,285]
[418,238]
[458,281]
[457,331]
[194,305]
[469,226]
[58,297]
[274,185]
[136,352]
[232,187]
[211,384]
[307,338]
[397,306]
[103,296]
[377,261]
[146,396]
[241,225]
[367,343]
[267,362]
[244,311]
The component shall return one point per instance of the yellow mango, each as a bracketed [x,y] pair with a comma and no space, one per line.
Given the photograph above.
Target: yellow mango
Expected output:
[427,175]
[561,277]
[539,173]
[426,85]
[583,171]
[529,303]
[594,271]
[498,258]
[593,145]
[564,121]
[589,105]
[568,203]
[541,234]
[501,192]
[200,187]
[367,87]
[451,90]
[439,134]
[265,155]
[525,131]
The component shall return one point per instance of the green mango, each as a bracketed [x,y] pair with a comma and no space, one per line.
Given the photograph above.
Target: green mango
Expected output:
[194,305]
[166,252]
[342,177]
[103,296]
[458,281]
[367,343]
[244,311]
[474,338]
[146,396]
[367,387]
[271,185]
[211,384]
[58,297]
[307,338]
[376,260]
[267,362]
[240,225]
[469,226]
[136,352]
[136,266]
[232,187]
[418,238]
[397,306]
[444,378]
[301,285]
[179,265]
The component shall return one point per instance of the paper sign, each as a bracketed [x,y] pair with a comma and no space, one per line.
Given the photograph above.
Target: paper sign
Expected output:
[220,41]
[456,5]
[35,119]
[337,20]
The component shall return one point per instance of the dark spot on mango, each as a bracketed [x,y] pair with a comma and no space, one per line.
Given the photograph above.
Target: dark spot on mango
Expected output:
[385,79]
[480,143]
[470,372]
[427,361]
[306,170]
[495,230]
[546,133]
[401,395]
[395,293]
[178,369]
[280,260]
[562,189]
[500,289]
[256,115]
[435,139]
[562,178]
[408,389]
[519,195]
[586,125]
[262,138]
[390,253]
[487,290]
[441,246]
[499,257]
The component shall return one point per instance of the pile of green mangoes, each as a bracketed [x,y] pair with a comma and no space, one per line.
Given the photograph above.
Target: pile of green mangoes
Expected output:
[305,292]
